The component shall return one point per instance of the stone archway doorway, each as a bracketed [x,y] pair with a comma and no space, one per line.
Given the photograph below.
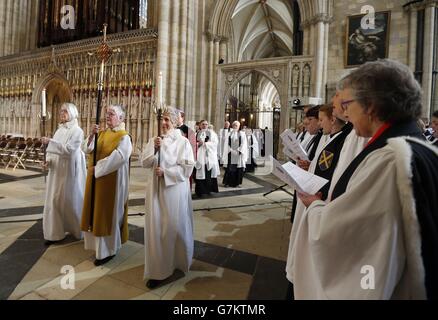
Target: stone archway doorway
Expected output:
[58,91]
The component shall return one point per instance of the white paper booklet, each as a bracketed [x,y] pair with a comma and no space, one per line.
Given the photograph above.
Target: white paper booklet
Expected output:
[293,146]
[297,178]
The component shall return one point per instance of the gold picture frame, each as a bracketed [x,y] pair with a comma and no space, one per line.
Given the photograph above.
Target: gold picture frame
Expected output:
[363,45]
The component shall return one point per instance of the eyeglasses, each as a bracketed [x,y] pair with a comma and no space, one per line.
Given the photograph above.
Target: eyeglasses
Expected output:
[344,104]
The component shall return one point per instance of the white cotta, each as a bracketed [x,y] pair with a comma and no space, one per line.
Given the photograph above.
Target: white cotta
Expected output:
[65,183]
[254,146]
[353,145]
[118,161]
[260,139]
[239,154]
[168,231]
[300,208]
[207,156]
[223,134]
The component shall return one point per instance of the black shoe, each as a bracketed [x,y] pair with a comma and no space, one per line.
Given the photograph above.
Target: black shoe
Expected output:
[50,242]
[99,262]
[151,284]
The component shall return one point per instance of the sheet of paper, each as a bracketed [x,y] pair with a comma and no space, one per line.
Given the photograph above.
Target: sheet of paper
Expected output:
[293,145]
[289,153]
[307,182]
[280,172]
[297,178]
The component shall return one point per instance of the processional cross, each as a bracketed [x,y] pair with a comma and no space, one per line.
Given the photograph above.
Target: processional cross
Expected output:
[103,54]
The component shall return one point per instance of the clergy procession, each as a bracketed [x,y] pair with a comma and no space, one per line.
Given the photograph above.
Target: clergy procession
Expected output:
[90,202]
[218,150]
[381,170]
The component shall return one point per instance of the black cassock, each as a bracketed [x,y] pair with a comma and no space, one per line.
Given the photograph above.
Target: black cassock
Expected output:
[233,176]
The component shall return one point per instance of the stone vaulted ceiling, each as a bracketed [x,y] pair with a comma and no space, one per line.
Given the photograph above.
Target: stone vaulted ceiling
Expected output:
[262,29]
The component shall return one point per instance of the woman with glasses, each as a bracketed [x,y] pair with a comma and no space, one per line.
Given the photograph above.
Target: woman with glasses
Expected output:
[377,238]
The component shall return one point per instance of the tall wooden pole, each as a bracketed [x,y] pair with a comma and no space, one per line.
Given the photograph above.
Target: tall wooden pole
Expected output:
[103,53]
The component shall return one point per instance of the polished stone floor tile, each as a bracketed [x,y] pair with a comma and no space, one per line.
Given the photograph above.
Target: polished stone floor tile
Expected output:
[241,241]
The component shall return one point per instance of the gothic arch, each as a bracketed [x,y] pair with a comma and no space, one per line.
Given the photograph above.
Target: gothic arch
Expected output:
[242,75]
[220,19]
[275,70]
[44,81]
[60,84]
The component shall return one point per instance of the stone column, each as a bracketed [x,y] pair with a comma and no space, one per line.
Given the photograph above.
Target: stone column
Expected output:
[429,46]
[15,38]
[325,63]
[172,78]
[182,55]
[210,78]
[8,28]
[223,50]
[33,34]
[306,38]
[21,27]
[191,54]
[318,69]
[3,7]
[412,38]
[216,108]
[163,46]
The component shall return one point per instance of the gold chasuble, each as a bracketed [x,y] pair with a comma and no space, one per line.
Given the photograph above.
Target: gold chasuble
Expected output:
[105,191]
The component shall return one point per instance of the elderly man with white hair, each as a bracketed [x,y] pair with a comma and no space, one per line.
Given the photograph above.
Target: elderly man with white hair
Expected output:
[235,156]
[66,179]
[107,228]
[168,231]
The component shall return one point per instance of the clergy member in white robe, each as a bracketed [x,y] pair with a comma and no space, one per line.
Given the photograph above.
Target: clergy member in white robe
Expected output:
[168,231]
[108,229]
[260,140]
[351,147]
[222,136]
[207,163]
[253,151]
[66,178]
[377,238]
[235,157]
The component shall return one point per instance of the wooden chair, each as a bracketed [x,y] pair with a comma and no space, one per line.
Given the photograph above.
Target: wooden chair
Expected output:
[16,158]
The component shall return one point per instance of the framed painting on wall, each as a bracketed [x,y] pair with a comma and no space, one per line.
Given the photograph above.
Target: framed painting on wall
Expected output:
[363,45]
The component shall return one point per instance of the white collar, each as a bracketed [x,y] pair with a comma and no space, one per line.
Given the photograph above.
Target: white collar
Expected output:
[69,124]
[120,127]
[173,134]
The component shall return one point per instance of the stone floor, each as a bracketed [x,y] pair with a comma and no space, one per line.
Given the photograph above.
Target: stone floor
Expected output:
[241,242]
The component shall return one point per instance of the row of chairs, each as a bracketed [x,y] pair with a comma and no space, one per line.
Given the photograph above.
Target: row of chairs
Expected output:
[16,152]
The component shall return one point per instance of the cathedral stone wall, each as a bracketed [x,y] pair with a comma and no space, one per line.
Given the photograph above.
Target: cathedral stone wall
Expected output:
[398,41]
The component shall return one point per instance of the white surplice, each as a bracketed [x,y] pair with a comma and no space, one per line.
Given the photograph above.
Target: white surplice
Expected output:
[259,136]
[223,138]
[254,146]
[372,226]
[207,156]
[353,145]
[65,183]
[239,154]
[168,231]
[325,140]
[118,161]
